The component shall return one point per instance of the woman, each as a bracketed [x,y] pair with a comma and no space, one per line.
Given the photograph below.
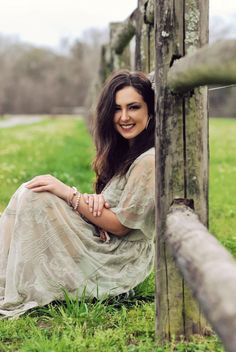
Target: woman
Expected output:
[52,237]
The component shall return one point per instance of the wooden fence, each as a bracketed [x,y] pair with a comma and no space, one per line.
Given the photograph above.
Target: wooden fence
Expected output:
[170,39]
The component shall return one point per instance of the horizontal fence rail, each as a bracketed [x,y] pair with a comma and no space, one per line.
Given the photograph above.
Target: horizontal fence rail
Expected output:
[124,33]
[211,64]
[208,268]
[127,29]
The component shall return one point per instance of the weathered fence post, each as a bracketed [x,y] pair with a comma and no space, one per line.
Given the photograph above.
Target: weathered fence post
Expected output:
[181,156]
[120,56]
[117,55]
[144,37]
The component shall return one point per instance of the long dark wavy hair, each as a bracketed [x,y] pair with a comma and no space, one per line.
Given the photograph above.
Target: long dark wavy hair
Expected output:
[114,155]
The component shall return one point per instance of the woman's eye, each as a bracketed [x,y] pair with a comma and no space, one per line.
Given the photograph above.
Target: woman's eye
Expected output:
[134,107]
[117,108]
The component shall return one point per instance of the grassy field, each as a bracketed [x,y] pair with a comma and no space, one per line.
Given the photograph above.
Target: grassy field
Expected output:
[222,212]
[63,147]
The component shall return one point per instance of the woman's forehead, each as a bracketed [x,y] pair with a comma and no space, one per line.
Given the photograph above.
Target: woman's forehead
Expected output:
[127,95]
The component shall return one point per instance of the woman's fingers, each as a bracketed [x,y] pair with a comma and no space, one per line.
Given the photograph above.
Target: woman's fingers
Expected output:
[32,184]
[40,189]
[96,203]
[39,181]
[101,204]
[49,183]
[90,202]
[38,184]
[104,236]
[86,197]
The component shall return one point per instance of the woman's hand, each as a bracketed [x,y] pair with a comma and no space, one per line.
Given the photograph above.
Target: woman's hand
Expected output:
[96,203]
[48,183]
[103,235]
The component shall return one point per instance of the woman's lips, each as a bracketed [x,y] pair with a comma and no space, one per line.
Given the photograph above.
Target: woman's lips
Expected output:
[127,127]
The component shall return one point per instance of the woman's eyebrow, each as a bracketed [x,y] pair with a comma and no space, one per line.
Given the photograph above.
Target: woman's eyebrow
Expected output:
[132,103]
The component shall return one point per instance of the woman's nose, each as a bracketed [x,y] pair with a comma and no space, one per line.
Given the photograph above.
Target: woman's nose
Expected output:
[124,115]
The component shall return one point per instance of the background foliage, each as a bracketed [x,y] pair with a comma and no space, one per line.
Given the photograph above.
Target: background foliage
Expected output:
[40,80]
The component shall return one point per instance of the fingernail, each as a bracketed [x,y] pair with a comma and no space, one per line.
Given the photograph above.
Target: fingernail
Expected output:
[94,214]
[99,213]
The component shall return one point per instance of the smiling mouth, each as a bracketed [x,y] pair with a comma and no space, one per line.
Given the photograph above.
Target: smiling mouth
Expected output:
[127,126]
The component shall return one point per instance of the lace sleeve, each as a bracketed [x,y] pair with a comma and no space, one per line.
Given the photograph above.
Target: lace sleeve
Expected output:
[136,207]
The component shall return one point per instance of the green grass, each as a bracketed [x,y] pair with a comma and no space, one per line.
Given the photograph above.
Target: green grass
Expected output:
[64,148]
[59,147]
[222,209]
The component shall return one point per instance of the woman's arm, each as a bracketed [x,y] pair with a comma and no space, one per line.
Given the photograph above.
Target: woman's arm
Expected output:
[107,221]
[96,203]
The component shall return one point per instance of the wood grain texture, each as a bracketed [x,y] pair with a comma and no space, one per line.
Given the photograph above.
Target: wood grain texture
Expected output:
[195,117]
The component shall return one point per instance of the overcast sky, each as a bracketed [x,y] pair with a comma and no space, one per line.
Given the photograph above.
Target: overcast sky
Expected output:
[45,22]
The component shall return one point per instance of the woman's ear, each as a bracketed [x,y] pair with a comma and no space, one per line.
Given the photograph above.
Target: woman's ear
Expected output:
[148,120]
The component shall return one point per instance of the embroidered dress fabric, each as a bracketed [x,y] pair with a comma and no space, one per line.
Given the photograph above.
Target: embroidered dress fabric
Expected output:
[45,247]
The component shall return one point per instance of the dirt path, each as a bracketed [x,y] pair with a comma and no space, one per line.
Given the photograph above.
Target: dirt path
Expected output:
[19,120]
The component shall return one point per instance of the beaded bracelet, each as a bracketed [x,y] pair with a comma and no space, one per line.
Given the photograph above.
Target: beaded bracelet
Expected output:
[76,206]
[71,196]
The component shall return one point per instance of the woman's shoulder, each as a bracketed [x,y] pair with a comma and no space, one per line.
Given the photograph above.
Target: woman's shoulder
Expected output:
[148,154]
[146,158]
[144,162]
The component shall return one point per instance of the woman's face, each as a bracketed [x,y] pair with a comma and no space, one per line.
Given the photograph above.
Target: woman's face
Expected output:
[131,114]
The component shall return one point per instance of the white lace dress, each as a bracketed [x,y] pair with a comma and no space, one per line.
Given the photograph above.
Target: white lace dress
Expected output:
[46,247]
